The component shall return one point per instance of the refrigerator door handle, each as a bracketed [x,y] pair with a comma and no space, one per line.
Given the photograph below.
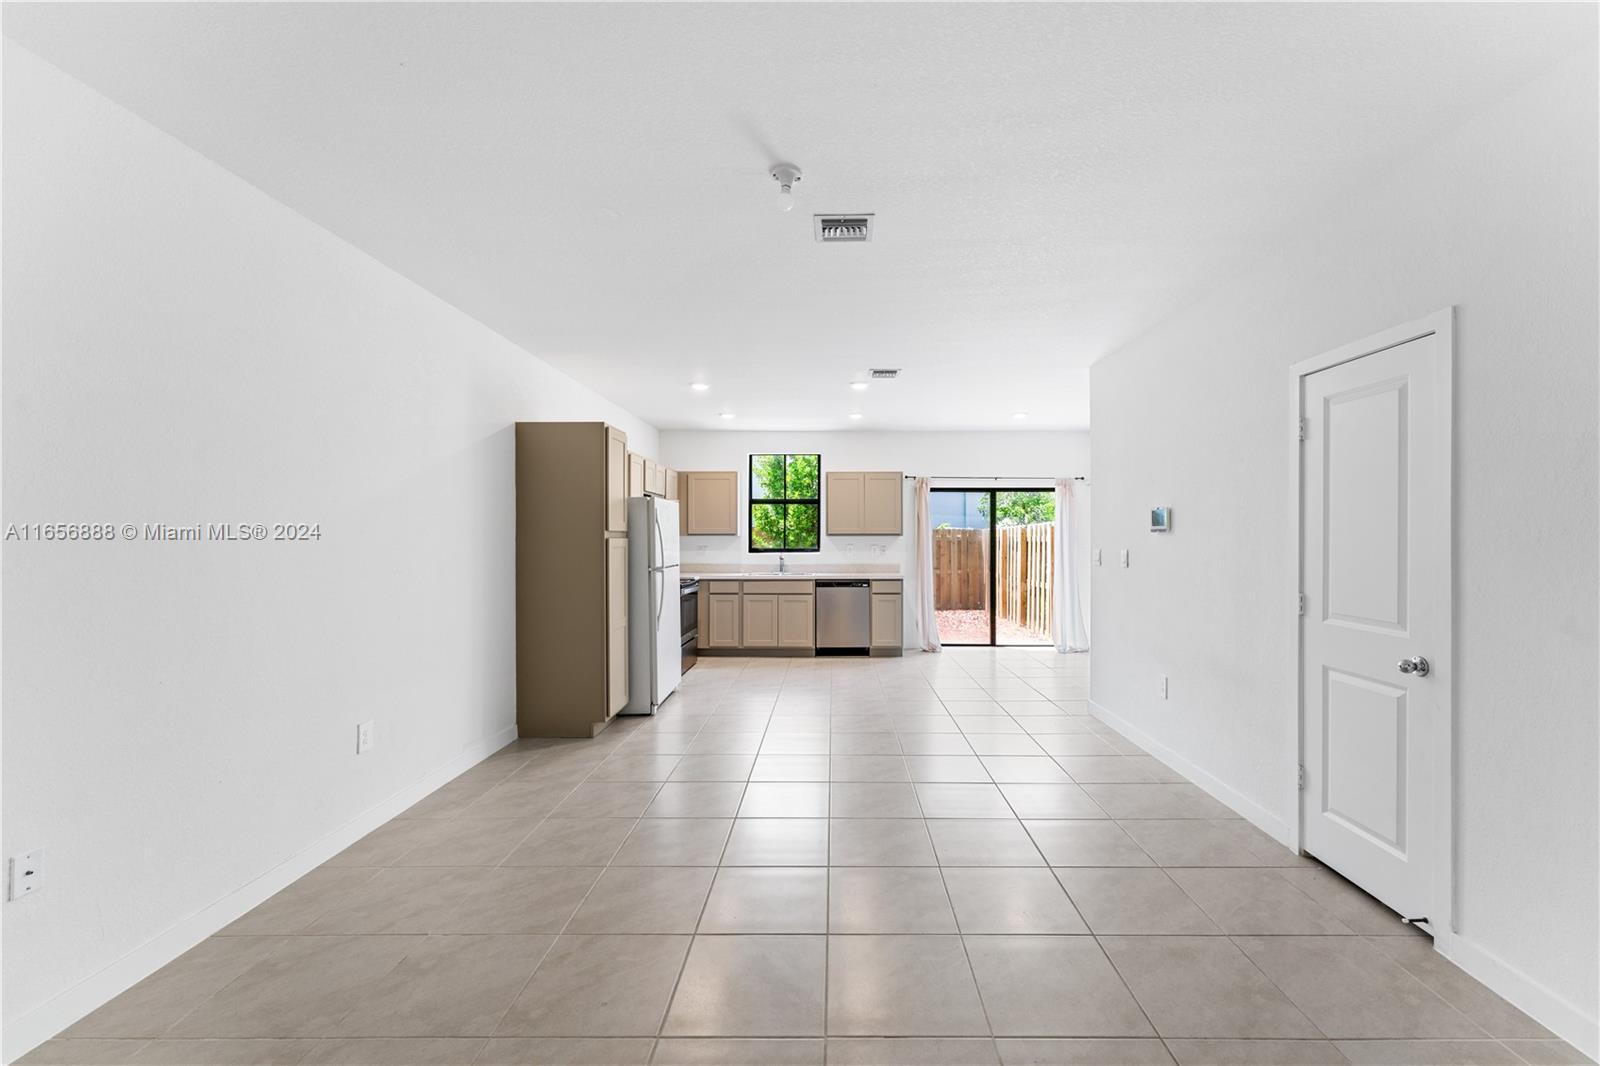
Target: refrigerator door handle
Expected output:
[661,542]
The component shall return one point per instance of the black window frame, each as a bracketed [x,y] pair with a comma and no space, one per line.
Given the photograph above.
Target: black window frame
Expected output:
[783,501]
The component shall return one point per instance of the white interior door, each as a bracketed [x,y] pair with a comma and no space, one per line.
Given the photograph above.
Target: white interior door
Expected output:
[1375,499]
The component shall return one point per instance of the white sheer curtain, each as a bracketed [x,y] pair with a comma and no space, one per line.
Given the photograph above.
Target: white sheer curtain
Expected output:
[927,620]
[1067,622]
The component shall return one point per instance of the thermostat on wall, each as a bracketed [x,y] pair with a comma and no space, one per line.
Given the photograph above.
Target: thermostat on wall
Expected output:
[1160,519]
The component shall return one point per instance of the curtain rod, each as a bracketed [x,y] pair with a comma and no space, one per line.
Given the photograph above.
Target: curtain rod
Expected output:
[989,477]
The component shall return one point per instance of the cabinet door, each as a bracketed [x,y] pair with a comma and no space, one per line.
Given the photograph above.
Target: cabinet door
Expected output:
[616,624]
[672,484]
[797,616]
[846,503]
[616,481]
[711,502]
[635,475]
[760,619]
[655,478]
[883,509]
[885,621]
[722,622]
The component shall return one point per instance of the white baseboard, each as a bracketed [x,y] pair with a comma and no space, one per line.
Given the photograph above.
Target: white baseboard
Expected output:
[1243,805]
[28,1031]
[1562,1017]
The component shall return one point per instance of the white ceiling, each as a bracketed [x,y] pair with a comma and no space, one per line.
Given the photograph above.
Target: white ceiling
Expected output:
[591,180]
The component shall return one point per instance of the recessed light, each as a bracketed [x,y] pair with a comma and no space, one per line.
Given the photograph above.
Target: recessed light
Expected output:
[855,418]
[1020,415]
[699,386]
[726,414]
[859,386]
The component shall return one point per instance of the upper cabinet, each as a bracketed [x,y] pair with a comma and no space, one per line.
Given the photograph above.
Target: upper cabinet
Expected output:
[865,503]
[655,478]
[709,502]
[635,474]
[672,484]
[617,457]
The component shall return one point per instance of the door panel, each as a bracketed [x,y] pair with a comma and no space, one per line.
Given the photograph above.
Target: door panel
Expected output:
[722,620]
[1363,757]
[760,621]
[1373,488]
[883,504]
[616,624]
[616,481]
[1364,582]
[846,503]
[797,617]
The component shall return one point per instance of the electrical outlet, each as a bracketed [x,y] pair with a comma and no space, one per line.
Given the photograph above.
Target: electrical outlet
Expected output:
[1163,686]
[364,737]
[26,874]
[1124,558]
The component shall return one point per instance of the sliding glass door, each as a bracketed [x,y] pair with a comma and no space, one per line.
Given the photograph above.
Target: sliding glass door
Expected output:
[993,565]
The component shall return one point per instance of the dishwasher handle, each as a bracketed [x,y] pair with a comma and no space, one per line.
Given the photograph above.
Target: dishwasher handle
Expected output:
[843,584]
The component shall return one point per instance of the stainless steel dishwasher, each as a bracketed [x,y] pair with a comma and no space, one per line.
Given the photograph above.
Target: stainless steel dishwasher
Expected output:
[844,616]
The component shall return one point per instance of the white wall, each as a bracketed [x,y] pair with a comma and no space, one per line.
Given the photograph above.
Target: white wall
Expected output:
[1039,457]
[180,718]
[1499,219]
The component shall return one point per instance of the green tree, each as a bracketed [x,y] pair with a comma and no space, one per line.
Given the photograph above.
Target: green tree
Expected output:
[782,526]
[1020,508]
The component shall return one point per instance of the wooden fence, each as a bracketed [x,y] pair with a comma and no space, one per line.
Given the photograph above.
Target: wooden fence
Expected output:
[960,569]
[1024,558]
[1024,563]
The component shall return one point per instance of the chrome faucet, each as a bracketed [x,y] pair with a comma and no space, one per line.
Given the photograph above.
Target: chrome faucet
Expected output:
[780,563]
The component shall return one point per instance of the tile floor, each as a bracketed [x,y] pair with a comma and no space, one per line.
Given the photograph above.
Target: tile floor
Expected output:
[935,859]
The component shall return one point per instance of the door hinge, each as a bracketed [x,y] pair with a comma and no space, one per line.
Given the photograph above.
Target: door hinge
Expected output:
[1302,429]
[1301,778]
[1300,602]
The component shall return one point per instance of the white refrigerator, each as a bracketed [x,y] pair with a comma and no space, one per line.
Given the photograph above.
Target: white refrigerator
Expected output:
[655,664]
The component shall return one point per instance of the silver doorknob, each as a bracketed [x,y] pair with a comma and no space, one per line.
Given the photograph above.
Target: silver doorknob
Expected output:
[1414,665]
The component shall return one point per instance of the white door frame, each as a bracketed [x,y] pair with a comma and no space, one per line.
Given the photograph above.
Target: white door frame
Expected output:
[1442,911]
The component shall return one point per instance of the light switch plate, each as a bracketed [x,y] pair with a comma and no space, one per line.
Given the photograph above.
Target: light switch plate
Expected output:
[1097,557]
[25,874]
[364,737]
[1124,557]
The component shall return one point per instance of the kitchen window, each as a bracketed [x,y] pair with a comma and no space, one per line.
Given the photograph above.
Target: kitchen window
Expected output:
[785,503]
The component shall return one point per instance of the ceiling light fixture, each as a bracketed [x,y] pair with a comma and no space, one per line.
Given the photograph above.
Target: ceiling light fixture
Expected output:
[787,175]
[699,386]
[859,386]
[1020,415]
[726,414]
[855,418]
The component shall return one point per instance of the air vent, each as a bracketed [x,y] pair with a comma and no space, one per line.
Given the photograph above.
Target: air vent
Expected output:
[881,374]
[843,229]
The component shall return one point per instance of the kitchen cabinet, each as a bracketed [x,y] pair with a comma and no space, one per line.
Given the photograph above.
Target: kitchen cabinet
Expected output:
[722,620]
[571,577]
[759,618]
[616,624]
[616,480]
[864,503]
[672,484]
[635,474]
[655,478]
[710,504]
[887,617]
[797,621]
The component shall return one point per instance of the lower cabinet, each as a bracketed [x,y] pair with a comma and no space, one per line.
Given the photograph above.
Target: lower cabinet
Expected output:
[760,620]
[886,620]
[797,621]
[616,624]
[722,620]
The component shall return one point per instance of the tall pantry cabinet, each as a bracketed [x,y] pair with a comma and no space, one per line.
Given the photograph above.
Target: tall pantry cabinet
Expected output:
[572,577]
